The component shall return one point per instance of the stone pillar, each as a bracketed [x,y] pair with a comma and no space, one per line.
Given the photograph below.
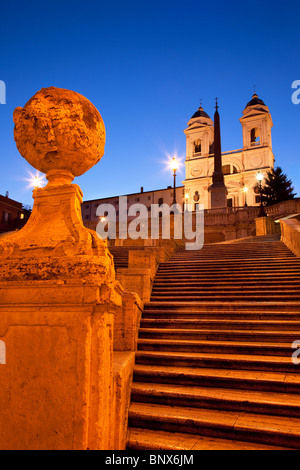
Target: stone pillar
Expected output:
[58,291]
[266,226]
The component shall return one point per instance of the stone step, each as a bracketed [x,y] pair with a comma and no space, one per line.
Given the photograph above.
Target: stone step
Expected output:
[225,288]
[166,316]
[239,283]
[284,334]
[228,297]
[222,378]
[181,306]
[220,261]
[244,274]
[216,295]
[265,277]
[251,348]
[249,427]
[270,403]
[147,439]
[232,260]
[231,253]
[281,269]
[258,328]
[218,361]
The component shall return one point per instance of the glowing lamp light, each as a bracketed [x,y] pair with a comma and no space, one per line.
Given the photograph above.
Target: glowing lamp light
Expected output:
[259,177]
[174,164]
[103,219]
[245,189]
[187,196]
[37,181]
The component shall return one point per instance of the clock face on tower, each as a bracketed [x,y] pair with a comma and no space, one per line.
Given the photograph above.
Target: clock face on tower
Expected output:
[196,172]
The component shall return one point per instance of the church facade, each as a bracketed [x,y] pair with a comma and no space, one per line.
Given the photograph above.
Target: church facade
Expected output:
[240,167]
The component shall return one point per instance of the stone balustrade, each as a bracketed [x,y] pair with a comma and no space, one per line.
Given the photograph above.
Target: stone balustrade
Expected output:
[290,234]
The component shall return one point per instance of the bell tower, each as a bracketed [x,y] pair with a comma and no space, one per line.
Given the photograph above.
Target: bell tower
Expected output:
[257,139]
[199,135]
[257,124]
[199,146]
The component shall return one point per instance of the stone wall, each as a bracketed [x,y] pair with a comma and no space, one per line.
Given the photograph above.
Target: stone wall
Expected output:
[290,234]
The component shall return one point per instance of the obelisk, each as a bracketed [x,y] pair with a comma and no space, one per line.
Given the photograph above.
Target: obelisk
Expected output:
[218,191]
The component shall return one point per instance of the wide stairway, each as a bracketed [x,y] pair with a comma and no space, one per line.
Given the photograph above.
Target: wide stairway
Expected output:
[214,365]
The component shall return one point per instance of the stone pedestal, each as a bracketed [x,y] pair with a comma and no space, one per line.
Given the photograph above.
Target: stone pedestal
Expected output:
[56,387]
[139,275]
[58,292]
[266,226]
[218,196]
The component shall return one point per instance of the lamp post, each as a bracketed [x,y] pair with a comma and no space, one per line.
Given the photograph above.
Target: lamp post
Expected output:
[174,167]
[186,196]
[245,190]
[262,212]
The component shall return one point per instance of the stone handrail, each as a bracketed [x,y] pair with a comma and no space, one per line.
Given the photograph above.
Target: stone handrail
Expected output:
[290,234]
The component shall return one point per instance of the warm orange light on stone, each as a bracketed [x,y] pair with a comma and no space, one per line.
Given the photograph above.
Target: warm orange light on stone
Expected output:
[60,130]
[58,291]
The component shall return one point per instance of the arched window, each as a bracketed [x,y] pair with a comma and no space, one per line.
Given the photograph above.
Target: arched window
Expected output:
[226,169]
[197,146]
[255,136]
[229,170]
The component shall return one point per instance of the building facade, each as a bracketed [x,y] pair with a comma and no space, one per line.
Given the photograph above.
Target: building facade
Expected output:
[240,167]
[160,196]
[12,214]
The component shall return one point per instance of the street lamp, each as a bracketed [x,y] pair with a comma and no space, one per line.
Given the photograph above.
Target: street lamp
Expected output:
[186,196]
[174,167]
[262,212]
[245,190]
[37,181]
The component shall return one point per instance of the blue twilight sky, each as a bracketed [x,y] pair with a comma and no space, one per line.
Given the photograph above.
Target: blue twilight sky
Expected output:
[145,65]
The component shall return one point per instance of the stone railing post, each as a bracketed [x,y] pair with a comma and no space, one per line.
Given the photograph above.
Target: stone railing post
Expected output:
[58,292]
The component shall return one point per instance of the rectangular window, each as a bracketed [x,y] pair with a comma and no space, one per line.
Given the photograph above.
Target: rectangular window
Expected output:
[229,203]
[6,217]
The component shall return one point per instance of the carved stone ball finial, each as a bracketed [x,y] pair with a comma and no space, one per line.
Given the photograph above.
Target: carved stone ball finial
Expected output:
[59,132]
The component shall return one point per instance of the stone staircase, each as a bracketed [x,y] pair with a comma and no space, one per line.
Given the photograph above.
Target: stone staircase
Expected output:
[121,255]
[214,363]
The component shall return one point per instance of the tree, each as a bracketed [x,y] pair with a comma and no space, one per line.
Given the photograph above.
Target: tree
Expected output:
[277,188]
